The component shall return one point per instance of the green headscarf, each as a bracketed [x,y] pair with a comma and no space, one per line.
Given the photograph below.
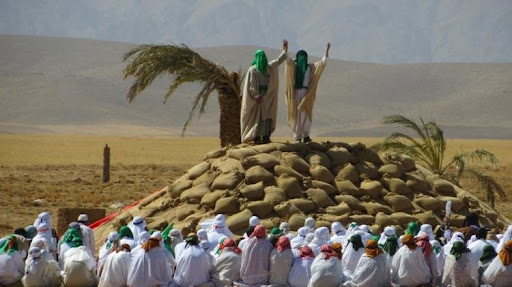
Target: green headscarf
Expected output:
[356,241]
[391,245]
[10,245]
[219,250]
[489,254]
[276,231]
[301,65]
[458,248]
[167,240]
[375,237]
[413,228]
[125,231]
[73,238]
[261,62]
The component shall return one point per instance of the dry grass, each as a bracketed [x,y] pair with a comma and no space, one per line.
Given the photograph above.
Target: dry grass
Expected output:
[66,171]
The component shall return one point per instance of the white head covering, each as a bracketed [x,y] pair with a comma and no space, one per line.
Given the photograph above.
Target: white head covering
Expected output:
[254,220]
[309,237]
[39,242]
[34,252]
[427,228]
[156,235]
[113,236]
[143,237]
[298,240]
[83,218]
[43,218]
[43,230]
[205,244]
[336,227]
[388,231]
[321,236]
[285,227]
[137,226]
[310,222]
[220,217]
[202,235]
[364,228]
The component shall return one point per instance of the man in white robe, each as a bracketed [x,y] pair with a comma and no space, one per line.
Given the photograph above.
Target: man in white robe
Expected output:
[79,268]
[299,240]
[12,263]
[409,267]
[116,267]
[460,268]
[352,253]
[326,270]
[302,81]
[300,273]
[110,246]
[506,237]
[255,268]
[87,233]
[72,238]
[253,221]
[193,267]
[321,237]
[260,87]
[281,259]
[338,232]
[137,226]
[372,269]
[499,272]
[40,271]
[226,268]
[44,232]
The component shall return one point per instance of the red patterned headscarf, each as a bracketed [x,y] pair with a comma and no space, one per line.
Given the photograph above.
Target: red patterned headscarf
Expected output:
[424,243]
[327,251]
[229,244]
[259,231]
[283,243]
[306,251]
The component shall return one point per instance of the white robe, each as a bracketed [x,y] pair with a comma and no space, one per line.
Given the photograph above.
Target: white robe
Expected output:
[79,267]
[88,237]
[115,270]
[280,265]
[350,259]
[371,272]
[300,273]
[136,230]
[409,267]
[193,267]
[226,269]
[255,268]
[11,267]
[498,274]
[42,272]
[462,272]
[151,269]
[477,247]
[326,273]
[506,237]
[103,254]
[179,249]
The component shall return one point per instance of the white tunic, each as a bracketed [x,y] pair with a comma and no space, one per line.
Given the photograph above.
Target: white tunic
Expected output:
[115,270]
[255,268]
[326,273]
[193,267]
[300,273]
[41,272]
[150,269]
[88,237]
[79,267]
[11,267]
[409,267]
[350,259]
[371,272]
[498,274]
[280,265]
[226,269]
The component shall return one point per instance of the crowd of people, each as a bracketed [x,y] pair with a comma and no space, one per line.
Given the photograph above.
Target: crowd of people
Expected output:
[313,256]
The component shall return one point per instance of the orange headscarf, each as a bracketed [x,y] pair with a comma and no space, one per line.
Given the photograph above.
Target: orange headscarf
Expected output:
[150,244]
[506,253]
[336,247]
[408,240]
[372,249]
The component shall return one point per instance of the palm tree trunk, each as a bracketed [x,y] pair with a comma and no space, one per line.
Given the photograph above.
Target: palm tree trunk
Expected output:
[229,105]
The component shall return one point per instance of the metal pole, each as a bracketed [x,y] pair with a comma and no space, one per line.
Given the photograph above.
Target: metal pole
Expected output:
[106,163]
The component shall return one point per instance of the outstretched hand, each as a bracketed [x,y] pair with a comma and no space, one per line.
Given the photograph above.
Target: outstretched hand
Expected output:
[327,49]
[285,45]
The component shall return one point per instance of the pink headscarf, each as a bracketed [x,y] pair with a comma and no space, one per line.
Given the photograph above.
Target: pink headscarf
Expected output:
[259,231]
[283,243]
[424,243]
[306,251]
[327,251]
[229,244]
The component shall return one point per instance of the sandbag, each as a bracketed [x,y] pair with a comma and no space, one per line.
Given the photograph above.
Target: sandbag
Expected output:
[240,220]
[396,185]
[457,203]
[196,192]
[303,204]
[206,178]
[320,197]
[178,186]
[321,173]
[442,186]
[271,222]
[227,164]
[290,186]
[263,159]
[403,218]
[406,161]
[347,187]
[241,153]
[429,203]
[363,219]
[372,188]
[256,174]
[296,162]
[457,220]
[340,209]
[266,148]
[373,208]
[428,217]
[182,211]
[283,169]
[260,208]
[252,191]
[331,190]
[227,205]
[296,221]
[274,195]
[209,199]
[367,170]
[398,202]
[338,156]
[348,172]
[286,210]
[198,170]
[364,154]
[416,182]
[352,202]
[384,220]
[319,158]
[227,180]
[216,153]
[395,170]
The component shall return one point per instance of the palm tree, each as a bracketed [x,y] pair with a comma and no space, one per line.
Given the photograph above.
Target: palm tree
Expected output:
[429,148]
[151,61]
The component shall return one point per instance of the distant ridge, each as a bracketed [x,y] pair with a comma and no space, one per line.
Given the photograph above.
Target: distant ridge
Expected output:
[64,85]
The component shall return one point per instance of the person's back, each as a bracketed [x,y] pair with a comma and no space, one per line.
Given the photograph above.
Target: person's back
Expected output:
[150,267]
[281,259]
[300,273]
[12,264]
[193,267]
[41,271]
[116,267]
[409,267]
[226,269]
[326,270]
[255,268]
[79,268]
[499,272]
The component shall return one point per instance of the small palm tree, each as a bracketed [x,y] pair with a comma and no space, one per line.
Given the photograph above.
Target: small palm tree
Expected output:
[151,61]
[429,148]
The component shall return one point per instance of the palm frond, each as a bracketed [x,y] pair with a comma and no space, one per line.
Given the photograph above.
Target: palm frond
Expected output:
[404,121]
[492,187]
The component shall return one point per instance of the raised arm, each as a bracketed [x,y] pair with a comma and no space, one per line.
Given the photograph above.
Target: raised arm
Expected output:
[283,56]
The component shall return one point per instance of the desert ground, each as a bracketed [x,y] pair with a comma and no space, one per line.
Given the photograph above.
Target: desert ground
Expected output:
[44,172]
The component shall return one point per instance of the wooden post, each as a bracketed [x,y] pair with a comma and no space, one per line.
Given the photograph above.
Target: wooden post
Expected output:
[106,163]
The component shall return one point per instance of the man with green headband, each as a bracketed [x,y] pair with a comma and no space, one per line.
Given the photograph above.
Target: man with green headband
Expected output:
[301,83]
[259,98]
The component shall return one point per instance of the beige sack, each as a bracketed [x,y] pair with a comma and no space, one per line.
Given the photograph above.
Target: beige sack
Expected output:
[274,195]
[396,185]
[406,161]
[363,219]
[320,197]
[368,170]
[428,217]
[321,173]
[256,174]
[373,208]
[395,170]
[384,220]
[303,204]
[241,153]
[227,164]
[260,208]
[398,202]
[296,221]
[296,162]
[216,153]
[353,202]
[227,180]
[290,186]
[319,158]
[429,203]
[178,186]
[264,160]
[404,218]
[340,209]
[196,192]
[443,187]
[347,172]
[283,169]
[338,156]
[209,199]
[372,188]
[198,170]
[227,205]
[457,203]
[206,178]
[331,190]
[286,210]
[240,220]
[252,191]
[417,182]
[347,187]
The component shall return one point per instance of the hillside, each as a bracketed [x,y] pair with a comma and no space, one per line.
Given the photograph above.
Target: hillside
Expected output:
[74,86]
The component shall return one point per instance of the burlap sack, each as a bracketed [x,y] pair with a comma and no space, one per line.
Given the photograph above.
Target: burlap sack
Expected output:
[338,156]
[403,218]
[406,161]
[398,202]
[367,155]
[209,199]
[296,162]
[442,186]
[240,220]
[396,185]
[260,208]
[384,220]
[395,170]
[468,198]
[286,210]
[241,153]
[428,217]
[227,164]
[347,172]
[296,221]
[321,173]
[330,218]
[271,222]
[198,170]
[320,197]
[263,159]
[227,180]
[347,187]
[303,204]
[373,208]
[178,186]
[182,211]
[457,220]
[206,178]
[267,148]
[367,170]
[457,203]
[227,205]
[417,182]
[363,219]
[316,146]
[274,195]
[319,158]
[331,190]
[252,191]
[216,153]
[372,188]
[429,203]
[290,186]
[352,202]
[283,169]
[340,209]
[256,174]
[196,192]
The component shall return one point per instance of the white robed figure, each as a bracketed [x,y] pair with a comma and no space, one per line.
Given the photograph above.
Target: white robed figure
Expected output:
[259,97]
[255,268]
[409,267]
[300,273]
[299,240]
[338,233]
[193,266]
[326,270]
[12,263]
[107,248]
[281,259]
[321,237]
[226,268]
[461,267]
[116,267]
[506,237]
[302,81]
[372,269]
[499,272]
[44,232]
[137,226]
[40,271]
[79,267]
[351,255]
